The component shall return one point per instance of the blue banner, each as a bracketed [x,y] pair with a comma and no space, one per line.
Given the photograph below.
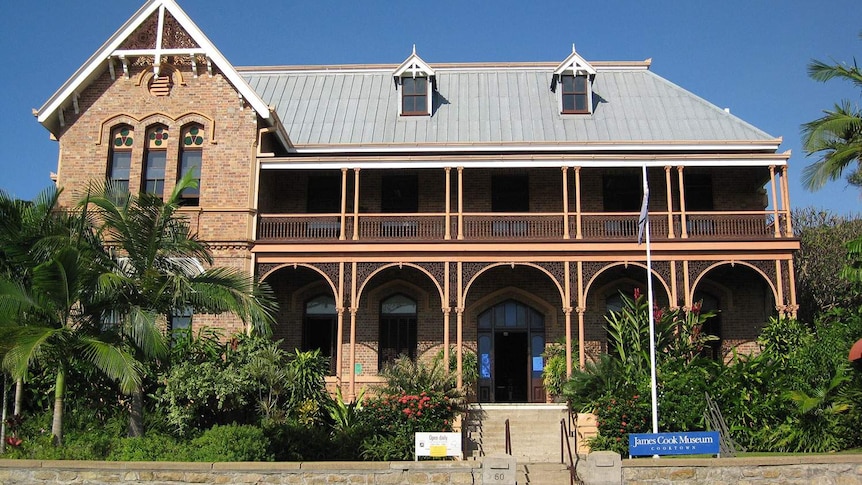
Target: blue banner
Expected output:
[681,443]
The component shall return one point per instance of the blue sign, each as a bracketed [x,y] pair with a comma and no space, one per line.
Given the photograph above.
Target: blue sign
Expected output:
[681,443]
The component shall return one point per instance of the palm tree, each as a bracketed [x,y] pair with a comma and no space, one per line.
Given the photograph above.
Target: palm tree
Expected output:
[29,232]
[53,317]
[837,136]
[158,271]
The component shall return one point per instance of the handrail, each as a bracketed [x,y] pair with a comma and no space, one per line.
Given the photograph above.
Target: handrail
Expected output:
[508,439]
[564,433]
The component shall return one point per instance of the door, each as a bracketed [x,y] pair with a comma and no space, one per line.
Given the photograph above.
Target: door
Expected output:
[510,366]
[511,339]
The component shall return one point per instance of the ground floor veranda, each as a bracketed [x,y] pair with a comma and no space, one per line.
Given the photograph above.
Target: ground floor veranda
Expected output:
[363,314]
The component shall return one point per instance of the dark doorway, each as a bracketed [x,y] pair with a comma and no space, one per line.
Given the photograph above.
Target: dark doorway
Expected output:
[318,328]
[511,338]
[511,366]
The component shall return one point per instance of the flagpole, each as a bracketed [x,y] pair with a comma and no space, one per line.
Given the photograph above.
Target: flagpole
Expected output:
[644,223]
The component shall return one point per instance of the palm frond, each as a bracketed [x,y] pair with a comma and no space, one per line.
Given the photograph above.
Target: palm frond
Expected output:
[26,345]
[115,362]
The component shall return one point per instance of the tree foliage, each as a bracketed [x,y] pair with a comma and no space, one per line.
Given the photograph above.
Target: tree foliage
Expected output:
[836,137]
[824,239]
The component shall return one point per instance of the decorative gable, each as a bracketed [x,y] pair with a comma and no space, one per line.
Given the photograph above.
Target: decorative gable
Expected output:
[574,79]
[417,82]
[159,35]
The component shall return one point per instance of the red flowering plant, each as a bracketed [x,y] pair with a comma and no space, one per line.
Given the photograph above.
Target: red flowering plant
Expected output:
[617,417]
[419,397]
[411,413]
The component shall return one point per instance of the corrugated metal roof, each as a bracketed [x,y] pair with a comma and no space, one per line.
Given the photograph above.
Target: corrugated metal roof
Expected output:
[505,105]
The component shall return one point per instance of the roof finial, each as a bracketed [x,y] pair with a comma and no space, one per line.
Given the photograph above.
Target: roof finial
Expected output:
[573,47]
[414,49]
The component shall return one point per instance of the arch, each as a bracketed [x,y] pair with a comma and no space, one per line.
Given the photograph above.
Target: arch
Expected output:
[362,285]
[195,117]
[626,264]
[112,122]
[157,117]
[514,293]
[560,289]
[311,290]
[690,291]
[304,265]
[715,288]
[397,286]
[165,69]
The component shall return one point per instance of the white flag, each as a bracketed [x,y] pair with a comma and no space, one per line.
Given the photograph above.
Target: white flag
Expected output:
[642,219]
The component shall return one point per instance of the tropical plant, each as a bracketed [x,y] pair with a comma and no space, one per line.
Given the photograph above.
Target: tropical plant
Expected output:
[823,253]
[55,320]
[554,373]
[836,137]
[158,271]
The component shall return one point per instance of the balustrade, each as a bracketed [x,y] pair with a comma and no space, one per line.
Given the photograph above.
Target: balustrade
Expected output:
[595,226]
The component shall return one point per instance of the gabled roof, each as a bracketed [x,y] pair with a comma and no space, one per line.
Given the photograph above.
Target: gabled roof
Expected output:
[575,63]
[414,65]
[355,108]
[192,42]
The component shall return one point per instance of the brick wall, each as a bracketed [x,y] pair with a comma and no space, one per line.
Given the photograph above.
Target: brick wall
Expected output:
[224,215]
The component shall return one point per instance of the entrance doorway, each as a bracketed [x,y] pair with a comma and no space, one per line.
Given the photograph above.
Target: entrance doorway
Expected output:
[510,366]
[511,338]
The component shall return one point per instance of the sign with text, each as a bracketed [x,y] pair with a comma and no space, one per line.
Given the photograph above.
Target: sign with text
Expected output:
[681,443]
[438,444]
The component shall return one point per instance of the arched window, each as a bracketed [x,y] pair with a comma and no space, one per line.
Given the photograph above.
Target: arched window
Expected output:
[318,330]
[154,163]
[122,140]
[191,160]
[397,329]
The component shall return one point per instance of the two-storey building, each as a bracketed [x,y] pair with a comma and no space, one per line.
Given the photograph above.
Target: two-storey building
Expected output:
[419,207]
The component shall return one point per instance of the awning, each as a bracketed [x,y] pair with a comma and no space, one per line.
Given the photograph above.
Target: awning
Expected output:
[856,351]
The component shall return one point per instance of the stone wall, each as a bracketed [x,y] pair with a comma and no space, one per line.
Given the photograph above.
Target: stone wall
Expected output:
[799,469]
[320,473]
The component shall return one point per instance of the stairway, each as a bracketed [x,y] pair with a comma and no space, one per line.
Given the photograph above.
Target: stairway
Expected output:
[535,433]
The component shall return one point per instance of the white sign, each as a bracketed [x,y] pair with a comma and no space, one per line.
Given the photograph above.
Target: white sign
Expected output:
[438,444]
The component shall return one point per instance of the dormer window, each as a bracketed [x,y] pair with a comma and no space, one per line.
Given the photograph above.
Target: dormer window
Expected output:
[414,96]
[575,77]
[416,81]
[575,94]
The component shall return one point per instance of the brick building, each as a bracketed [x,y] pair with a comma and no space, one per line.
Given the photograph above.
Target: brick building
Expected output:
[420,207]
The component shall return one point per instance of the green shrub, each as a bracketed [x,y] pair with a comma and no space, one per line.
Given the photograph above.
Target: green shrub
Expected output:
[388,448]
[554,373]
[293,441]
[150,447]
[230,442]
[617,417]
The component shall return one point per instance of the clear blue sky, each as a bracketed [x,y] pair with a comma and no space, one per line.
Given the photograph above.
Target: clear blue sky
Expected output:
[746,55]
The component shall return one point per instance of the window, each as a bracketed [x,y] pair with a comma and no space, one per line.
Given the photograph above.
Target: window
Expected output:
[414,96]
[510,193]
[705,302]
[154,164]
[698,192]
[399,194]
[416,80]
[319,327]
[575,75]
[397,329]
[191,160]
[575,94]
[180,321]
[324,194]
[622,192]
[121,158]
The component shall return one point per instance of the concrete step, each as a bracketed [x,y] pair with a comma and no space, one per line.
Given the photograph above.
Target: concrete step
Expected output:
[542,474]
[534,430]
